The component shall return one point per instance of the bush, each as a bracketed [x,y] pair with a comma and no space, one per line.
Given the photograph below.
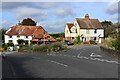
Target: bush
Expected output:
[4,45]
[77,41]
[116,44]
[92,42]
[10,44]
[50,47]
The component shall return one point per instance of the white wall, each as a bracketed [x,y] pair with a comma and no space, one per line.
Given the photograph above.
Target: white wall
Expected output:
[91,33]
[15,38]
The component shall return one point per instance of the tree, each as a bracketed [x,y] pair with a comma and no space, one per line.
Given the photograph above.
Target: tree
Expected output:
[28,22]
[58,35]
[77,41]
[109,28]
[2,33]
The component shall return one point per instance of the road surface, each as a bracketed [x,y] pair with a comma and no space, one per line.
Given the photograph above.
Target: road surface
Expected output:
[74,63]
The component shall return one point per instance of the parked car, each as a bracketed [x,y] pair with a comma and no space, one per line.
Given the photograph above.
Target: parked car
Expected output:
[68,42]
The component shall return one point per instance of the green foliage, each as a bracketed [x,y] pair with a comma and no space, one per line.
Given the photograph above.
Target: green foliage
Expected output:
[58,35]
[10,44]
[92,42]
[116,44]
[28,22]
[20,41]
[77,41]
[2,31]
[49,48]
[4,45]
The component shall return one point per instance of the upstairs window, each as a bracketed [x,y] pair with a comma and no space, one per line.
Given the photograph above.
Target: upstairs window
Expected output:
[74,30]
[18,36]
[26,36]
[10,36]
[95,31]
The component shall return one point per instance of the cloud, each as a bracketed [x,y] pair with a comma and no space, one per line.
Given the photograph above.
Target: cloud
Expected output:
[112,8]
[24,12]
[6,23]
[64,12]
[12,5]
[56,25]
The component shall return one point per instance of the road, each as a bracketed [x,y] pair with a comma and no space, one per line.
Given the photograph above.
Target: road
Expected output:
[74,63]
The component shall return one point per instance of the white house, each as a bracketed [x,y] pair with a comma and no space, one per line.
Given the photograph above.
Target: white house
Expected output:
[87,28]
[27,33]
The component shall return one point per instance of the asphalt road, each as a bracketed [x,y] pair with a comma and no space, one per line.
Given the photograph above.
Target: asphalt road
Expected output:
[74,63]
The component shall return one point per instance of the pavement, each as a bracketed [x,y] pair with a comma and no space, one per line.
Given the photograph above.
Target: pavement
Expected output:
[74,63]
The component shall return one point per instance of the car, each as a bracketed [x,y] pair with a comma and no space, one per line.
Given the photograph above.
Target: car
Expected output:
[68,42]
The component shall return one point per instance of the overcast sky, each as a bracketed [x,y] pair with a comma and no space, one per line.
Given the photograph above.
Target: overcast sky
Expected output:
[54,15]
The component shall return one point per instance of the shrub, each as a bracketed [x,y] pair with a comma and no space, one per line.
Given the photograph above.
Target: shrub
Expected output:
[92,42]
[4,45]
[77,41]
[10,44]
[50,47]
[116,44]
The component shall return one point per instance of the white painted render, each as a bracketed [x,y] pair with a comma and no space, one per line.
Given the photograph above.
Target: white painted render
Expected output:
[15,38]
[83,33]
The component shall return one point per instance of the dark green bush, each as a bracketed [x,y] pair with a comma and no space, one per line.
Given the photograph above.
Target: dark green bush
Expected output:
[10,44]
[77,41]
[92,42]
[116,44]
[4,45]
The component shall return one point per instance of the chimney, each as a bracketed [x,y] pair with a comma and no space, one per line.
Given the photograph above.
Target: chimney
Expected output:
[87,17]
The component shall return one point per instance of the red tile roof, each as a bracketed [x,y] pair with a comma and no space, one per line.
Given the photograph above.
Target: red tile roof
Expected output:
[36,31]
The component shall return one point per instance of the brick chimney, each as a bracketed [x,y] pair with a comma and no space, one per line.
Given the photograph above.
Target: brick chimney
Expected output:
[87,16]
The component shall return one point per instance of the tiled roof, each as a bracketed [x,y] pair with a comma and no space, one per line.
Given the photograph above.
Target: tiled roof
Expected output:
[70,25]
[89,23]
[35,31]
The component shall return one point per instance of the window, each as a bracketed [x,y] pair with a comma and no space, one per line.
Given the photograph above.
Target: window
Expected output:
[18,36]
[26,36]
[95,31]
[10,36]
[73,37]
[74,30]
[87,31]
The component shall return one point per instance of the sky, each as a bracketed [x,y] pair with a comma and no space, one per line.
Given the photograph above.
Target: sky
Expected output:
[53,16]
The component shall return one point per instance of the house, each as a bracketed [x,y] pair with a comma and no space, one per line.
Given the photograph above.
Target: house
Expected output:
[28,34]
[87,28]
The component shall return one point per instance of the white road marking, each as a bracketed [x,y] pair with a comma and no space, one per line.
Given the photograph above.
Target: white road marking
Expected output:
[58,63]
[73,56]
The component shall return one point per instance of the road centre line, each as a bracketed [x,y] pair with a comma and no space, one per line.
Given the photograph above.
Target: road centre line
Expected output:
[58,63]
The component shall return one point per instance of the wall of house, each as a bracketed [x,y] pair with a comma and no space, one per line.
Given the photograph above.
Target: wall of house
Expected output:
[91,32]
[15,38]
[77,26]
[67,32]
